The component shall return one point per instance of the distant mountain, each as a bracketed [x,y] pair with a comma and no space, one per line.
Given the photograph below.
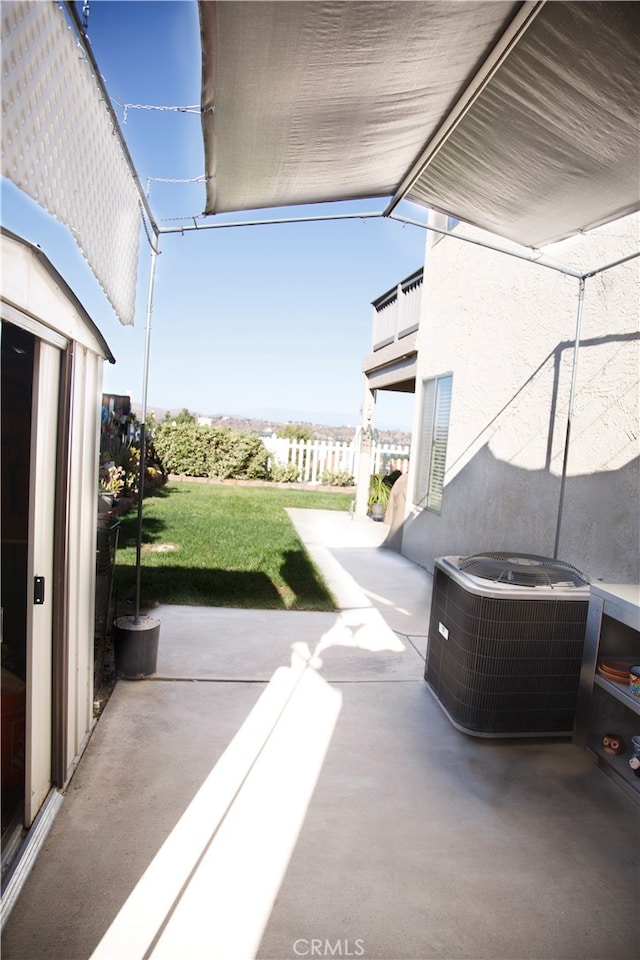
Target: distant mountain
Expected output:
[267,427]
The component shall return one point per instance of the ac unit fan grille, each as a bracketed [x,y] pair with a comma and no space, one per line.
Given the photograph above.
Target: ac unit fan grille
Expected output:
[522,570]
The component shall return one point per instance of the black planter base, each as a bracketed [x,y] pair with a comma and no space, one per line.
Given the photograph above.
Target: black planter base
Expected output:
[135,647]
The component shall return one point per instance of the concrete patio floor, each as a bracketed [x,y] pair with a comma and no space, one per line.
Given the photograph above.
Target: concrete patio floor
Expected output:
[286,786]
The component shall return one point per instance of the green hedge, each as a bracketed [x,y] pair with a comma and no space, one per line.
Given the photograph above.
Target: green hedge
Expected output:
[201,451]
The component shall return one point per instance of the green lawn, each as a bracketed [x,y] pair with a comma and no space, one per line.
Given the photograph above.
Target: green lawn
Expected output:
[224,546]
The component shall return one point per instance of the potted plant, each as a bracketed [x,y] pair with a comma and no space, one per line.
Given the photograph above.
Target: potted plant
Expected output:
[110,485]
[379,494]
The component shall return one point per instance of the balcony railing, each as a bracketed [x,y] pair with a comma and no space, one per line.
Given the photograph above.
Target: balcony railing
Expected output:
[396,313]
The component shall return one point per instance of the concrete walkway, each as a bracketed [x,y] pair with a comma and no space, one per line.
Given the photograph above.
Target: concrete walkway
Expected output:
[286,787]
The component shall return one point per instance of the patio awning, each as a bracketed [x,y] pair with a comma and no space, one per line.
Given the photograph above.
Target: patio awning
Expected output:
[521,118]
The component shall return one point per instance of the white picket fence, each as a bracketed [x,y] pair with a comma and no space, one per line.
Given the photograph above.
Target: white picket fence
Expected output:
[314,457]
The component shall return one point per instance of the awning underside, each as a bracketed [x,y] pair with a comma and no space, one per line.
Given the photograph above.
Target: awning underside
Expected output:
[520,118]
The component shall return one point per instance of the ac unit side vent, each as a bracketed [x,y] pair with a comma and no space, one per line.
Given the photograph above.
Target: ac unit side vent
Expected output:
[502,661]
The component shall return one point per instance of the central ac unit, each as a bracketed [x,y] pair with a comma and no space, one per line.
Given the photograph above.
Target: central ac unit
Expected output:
[505,642]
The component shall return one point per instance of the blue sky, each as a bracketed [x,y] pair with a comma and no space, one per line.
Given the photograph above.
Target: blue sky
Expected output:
[270,321]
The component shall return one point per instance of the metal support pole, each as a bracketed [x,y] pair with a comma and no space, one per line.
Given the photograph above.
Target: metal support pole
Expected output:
[200,225]
[143,429]
[572,392]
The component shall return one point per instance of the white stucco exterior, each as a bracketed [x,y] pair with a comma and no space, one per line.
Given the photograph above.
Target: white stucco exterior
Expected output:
[505,329]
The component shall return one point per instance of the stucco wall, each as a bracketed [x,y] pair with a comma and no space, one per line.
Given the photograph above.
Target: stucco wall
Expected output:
[505,329]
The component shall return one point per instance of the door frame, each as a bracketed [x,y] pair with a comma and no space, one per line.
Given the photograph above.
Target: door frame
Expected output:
[46,648]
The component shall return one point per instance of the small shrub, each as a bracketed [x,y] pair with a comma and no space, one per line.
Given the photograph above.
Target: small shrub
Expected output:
[236,454]
[336,478]
[153,475]
[284,473]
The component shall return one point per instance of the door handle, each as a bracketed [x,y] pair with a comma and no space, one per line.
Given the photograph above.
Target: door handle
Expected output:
[38,590]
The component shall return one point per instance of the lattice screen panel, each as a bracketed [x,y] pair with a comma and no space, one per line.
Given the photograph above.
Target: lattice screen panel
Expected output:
[58,145]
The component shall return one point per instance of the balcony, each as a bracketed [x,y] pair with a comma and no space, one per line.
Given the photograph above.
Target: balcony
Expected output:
[395,321]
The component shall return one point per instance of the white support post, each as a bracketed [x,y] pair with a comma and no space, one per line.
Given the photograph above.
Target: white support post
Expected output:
[364,455]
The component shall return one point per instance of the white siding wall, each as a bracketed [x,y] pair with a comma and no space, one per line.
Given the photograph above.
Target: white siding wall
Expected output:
[505,328]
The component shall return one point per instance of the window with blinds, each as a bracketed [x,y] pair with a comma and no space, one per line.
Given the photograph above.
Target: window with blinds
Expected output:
[434,433]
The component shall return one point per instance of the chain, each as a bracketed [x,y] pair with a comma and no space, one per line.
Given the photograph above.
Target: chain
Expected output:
[147,106]
[193,217]
[201,179]
[144,224]
[150,180]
